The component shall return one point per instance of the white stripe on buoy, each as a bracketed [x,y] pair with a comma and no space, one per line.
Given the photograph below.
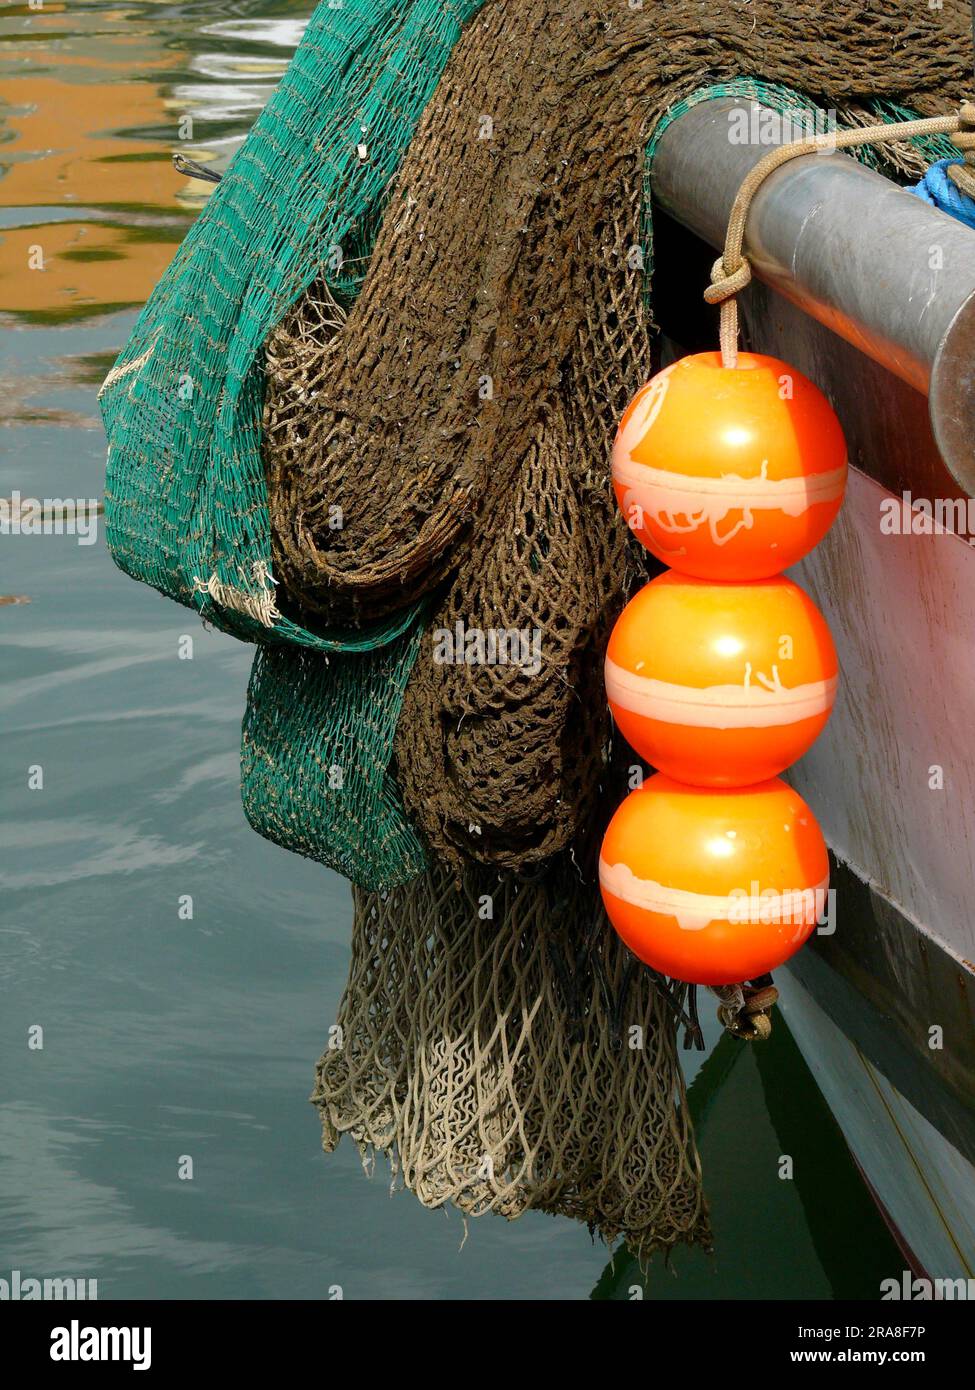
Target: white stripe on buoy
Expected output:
[645,410]
[662,496]
[695,911]
[744,706]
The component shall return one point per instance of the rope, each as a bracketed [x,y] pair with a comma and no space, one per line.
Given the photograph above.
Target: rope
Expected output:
[939,189]
[963,174]
[731,272]
[744,1009]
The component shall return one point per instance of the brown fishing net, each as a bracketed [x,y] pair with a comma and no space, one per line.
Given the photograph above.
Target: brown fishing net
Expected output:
[522,1061]
[524,749]
[459,420]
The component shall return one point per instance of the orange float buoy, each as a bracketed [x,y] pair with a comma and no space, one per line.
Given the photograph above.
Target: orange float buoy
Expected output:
[713,887]
[729,473]
[720,684]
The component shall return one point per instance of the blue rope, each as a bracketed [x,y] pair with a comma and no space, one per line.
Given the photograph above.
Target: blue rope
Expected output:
[938,189]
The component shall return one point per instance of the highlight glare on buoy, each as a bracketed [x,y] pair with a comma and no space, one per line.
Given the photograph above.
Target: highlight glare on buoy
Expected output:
[729,473]
[713,887]
[720,684]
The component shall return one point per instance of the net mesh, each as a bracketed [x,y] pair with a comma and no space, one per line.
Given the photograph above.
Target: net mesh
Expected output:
[186,499]
[514,1061]
[314,762]
[186,495]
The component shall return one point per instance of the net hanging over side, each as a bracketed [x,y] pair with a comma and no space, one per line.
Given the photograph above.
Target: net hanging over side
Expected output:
[512,1062]
[186,502]
[462,415]
[371,403]
[186,497]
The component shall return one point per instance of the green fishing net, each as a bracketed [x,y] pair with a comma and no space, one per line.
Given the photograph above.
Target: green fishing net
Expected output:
[309,779]
[186,499]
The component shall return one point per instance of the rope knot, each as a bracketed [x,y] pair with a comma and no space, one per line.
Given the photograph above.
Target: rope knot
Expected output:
[963,175]
[964,136]
[724,285]
[744,1009]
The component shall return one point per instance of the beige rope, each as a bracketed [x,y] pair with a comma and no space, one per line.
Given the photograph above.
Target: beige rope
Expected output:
[745,1009]
[731,272]
[963,175]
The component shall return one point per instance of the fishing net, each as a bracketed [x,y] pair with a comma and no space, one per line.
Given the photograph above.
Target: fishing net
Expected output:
[186,502]
[513,1062]
[460,418]
[505,762]
[365,418]
[443,433]
[186,497]
[310,777]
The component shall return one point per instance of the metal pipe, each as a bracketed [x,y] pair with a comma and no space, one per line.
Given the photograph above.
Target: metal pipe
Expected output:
[876,265]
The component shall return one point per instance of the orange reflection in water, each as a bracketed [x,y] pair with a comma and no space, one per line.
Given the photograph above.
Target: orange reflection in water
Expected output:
[68,100]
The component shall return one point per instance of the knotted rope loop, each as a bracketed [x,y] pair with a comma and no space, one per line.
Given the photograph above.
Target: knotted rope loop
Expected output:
[723,284]
[726,276]
[963,175]
[744,1009]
